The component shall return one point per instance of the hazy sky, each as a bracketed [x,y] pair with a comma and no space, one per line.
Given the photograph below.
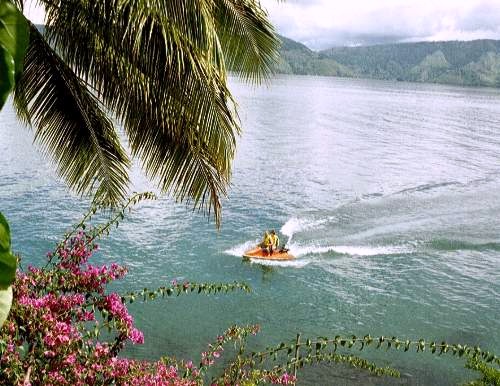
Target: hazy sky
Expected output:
[34,12]
[325,23]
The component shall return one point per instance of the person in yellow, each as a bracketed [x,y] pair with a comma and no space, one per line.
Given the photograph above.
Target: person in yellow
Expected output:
[270,242]
[266,241]
[275,242]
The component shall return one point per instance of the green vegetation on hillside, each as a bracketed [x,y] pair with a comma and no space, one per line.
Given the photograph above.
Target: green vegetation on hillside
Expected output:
[473,63]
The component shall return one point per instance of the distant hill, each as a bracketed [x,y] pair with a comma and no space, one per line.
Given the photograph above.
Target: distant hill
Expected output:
[296,58]
[472,63]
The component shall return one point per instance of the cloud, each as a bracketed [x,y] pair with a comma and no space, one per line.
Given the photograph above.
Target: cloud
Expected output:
[324,23]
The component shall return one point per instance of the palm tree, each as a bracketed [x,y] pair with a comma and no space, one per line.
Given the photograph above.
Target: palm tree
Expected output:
[159,69]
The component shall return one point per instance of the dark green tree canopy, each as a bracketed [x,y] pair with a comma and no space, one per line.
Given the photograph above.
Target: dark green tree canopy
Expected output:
[159,68]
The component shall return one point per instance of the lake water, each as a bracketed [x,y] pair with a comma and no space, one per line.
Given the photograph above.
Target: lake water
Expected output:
[388,194]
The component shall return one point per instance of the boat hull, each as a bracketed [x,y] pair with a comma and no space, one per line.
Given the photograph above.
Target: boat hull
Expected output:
[259,254]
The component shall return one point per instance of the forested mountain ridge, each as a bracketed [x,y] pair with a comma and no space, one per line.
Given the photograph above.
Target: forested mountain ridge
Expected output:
[471,63]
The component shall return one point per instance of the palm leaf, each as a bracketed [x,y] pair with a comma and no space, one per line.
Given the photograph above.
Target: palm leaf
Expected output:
[69,123]
[159,67]
[248,40]
[172,101]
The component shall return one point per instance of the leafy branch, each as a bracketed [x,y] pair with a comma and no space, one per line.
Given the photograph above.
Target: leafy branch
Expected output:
[293,355]
[490,375]
[322,343]
[178,289]
[324,349]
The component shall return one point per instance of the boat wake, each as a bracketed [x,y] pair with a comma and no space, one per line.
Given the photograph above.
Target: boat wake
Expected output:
[282,263]
[295,225]
[305,252]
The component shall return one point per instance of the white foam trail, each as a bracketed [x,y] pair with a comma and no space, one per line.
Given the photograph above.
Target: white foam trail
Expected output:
[295,225]
[283,263]
[305,250]
[370,251]
[240,249]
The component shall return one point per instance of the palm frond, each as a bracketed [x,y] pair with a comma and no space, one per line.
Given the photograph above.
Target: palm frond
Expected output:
[160,68]
[69,123]
[150,35]
[163,86]
[197,164]
[247,38]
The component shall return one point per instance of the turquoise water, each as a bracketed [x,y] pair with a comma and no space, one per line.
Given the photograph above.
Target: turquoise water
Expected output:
[386,192]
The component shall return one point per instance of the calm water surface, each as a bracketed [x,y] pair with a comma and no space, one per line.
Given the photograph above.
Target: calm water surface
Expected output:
[388,193]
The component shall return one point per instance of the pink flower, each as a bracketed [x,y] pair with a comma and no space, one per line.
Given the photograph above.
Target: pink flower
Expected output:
[70,359]
[58,303]
[284,379]
[136,336]
[101,350]
[86,316]
[117,309]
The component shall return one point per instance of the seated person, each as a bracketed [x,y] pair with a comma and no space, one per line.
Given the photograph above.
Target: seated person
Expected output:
[275,242]
[266,241]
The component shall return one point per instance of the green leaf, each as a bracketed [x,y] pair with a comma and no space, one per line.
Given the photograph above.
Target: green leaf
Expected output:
[13,43]
[5,303]
[4,234]
[7,72]
[380,341]
[14,33]
[8,262]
